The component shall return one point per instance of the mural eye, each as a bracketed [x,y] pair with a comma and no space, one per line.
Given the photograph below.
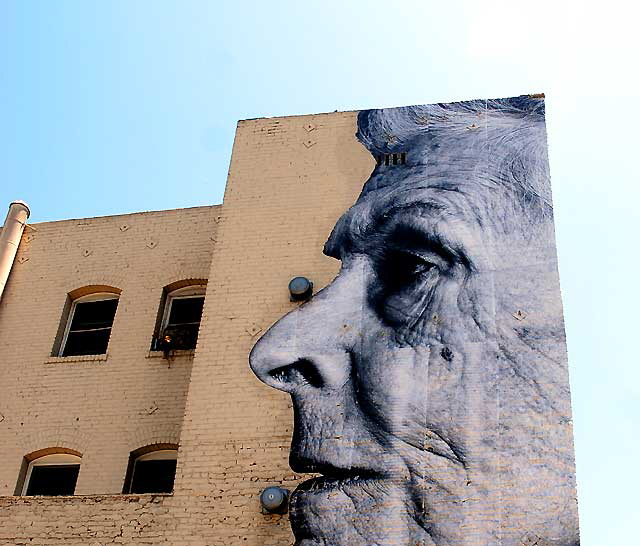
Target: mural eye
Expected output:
[404,285]
[404,268]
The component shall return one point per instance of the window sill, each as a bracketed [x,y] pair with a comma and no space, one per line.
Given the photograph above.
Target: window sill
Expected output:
[96,496]
[180,353]
[77,358]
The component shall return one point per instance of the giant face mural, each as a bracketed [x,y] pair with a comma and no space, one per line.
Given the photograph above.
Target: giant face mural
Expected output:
[429,379]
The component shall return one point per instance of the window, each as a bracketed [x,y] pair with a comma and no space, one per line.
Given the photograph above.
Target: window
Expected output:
[392,159]
[54,474]
[152,469]
[181,318]
[89,324]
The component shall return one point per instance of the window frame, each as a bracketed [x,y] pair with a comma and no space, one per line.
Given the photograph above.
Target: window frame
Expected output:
[51,459]
[154,452]
[95,296]
[187,292]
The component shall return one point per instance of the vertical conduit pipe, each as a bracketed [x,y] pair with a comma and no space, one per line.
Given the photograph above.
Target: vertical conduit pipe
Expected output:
[10,238]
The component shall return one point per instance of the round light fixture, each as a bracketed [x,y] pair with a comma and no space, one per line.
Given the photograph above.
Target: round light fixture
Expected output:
[300,289]
[274,500]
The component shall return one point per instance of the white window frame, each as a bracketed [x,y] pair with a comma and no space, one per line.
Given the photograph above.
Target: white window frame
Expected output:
[195,291]
[159,455]
[98,296]
[58,459]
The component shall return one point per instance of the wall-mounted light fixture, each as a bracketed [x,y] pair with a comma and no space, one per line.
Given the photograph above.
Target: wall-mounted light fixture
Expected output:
[274,500]
[300,289]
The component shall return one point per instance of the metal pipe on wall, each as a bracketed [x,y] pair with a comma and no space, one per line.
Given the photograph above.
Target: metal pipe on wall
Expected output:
[10,238]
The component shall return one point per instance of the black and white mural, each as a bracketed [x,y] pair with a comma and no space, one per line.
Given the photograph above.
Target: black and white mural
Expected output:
[429,379]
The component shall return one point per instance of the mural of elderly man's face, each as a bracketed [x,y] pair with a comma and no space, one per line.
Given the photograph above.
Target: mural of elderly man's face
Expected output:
[429,379]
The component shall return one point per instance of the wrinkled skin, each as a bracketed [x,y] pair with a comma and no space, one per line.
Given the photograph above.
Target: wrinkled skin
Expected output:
[429,378]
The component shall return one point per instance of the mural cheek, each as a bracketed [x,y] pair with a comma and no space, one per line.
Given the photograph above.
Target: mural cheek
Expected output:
[331,436]
[391,390]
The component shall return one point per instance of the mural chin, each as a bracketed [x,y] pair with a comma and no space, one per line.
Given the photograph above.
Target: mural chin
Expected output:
[429,380]
[356,511]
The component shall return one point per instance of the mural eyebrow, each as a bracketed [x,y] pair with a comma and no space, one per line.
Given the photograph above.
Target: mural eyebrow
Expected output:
[350,231]
[404,228]
[340,240]
[423,207]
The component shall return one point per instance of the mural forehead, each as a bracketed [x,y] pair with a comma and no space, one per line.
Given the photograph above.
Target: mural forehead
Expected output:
[429,379]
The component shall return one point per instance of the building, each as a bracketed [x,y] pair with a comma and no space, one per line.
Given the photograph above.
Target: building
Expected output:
[102,385]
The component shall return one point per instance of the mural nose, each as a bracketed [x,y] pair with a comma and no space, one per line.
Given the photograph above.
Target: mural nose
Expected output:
[282,368]
[311,347]
[303,351]
[297,370]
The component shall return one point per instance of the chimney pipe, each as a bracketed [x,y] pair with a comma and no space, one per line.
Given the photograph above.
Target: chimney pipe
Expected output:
[10,238]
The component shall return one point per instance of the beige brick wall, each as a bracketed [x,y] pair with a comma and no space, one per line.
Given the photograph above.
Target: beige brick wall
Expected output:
[89,521]
[289,180]
[102,408]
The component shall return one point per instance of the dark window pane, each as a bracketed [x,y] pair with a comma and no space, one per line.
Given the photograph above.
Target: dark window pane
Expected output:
[94,314]
[53,479]
[186,310]
[91,342]
[184,336]
[153,476]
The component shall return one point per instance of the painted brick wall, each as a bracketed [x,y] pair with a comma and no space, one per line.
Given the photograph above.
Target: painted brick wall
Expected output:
[289,180]
[89,520]
[102,408]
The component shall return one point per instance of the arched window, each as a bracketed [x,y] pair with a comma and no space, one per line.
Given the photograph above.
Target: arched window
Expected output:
[180,317]
[152,469]
[88,324]
[51,474]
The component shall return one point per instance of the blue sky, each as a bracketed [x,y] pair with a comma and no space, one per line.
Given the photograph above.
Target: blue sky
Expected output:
[123,106]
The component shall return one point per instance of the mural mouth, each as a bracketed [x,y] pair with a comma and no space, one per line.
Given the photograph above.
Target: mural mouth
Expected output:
[337,478]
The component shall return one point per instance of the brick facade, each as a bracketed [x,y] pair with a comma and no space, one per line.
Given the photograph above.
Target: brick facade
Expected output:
[233,432]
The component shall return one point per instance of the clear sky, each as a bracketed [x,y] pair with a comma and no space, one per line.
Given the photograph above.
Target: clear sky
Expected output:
[124,106]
